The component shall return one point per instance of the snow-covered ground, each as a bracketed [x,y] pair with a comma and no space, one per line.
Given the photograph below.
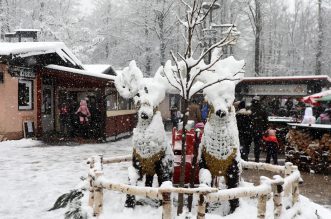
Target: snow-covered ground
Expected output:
[33,175]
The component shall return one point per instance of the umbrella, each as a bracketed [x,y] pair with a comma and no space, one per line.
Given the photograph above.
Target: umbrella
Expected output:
[312,99]
[325,98]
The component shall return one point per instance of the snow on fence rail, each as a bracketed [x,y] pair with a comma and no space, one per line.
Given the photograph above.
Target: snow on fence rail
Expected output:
[288,184]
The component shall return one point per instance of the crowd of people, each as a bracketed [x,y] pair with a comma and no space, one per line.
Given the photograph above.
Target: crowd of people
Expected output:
[252,122]
[254,127]
[197,113]
[324,117]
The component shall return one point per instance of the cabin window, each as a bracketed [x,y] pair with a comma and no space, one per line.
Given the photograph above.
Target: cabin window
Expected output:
[125,104]
[116,102]
[112,100]
[25,95]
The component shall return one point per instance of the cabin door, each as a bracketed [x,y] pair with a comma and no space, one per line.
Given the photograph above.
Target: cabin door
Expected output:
[47,108]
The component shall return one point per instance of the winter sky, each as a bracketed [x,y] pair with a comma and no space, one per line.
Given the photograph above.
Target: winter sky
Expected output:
[88,5]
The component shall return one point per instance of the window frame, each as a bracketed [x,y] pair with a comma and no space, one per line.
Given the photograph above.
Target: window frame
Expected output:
[29,84]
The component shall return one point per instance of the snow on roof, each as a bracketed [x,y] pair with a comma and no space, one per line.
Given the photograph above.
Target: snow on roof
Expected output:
[25,49]
[27,30]
[98,68]
[81,72]
[303,77]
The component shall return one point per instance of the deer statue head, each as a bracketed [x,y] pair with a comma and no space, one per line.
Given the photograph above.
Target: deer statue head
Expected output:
[146,92]
[222,78]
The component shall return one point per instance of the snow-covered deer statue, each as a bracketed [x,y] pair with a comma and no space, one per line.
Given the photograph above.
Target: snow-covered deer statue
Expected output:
[219,149]
[152,154]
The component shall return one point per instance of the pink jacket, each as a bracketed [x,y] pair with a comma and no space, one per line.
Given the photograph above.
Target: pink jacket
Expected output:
[83,108]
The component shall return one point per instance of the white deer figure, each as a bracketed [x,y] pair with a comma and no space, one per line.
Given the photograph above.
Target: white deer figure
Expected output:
[152,154]
[219,149]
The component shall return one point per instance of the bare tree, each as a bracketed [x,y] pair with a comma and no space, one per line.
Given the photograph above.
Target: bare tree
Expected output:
[183,76]
[4,17]
[319,39]
[164,26]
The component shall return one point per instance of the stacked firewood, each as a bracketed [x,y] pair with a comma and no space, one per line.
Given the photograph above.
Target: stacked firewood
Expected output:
[307,153]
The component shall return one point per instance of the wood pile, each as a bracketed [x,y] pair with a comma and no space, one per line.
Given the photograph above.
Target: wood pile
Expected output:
[307,153]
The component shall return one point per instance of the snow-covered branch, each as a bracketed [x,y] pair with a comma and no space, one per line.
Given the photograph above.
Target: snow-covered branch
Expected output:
[221,43]
[186,5]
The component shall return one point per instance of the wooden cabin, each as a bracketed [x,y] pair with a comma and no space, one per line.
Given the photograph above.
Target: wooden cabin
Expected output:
[36,77]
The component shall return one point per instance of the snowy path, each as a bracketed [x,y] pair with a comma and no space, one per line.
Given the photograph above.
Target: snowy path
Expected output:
[33,176]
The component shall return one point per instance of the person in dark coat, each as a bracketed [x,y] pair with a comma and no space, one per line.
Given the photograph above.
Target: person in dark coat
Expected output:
[204,111]
[175,117]
[259,125]
[244,123]
[194,112]
[64,119]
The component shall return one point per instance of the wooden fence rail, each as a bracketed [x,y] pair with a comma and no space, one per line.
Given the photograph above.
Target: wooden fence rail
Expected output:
[289,184]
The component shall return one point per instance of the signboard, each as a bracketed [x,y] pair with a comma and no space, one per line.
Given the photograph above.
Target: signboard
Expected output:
[28,129]
[278,89]
[22,72]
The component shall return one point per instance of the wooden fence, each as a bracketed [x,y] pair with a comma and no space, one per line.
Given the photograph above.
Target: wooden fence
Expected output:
[277,187]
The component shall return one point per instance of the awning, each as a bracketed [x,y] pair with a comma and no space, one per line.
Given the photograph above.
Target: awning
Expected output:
[315,99]
[325,98]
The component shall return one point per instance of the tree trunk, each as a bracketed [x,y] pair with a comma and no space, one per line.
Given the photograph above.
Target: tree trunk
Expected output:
[147,51]
[319,40]
[194,168]
[162,43]
[258,24]
[183,157]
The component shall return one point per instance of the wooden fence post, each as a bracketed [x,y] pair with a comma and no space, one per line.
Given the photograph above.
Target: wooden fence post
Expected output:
[288,171]
[167,205]
[98,196]
[295,188]
[91,182]
[262,202]
[261,206]
[277,198]
[201,207]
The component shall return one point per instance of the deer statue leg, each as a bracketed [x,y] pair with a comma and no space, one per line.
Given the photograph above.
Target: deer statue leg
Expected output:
[204,174]
[134,176]
[232,181]
[149,180]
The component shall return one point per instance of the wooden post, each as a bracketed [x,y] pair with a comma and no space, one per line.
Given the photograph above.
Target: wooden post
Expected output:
[295,188]
[288,171]
[277,198]
[194,168]
[261,206]
[201,207]
[167,205]
[91,183]
[98,197]
[262,202]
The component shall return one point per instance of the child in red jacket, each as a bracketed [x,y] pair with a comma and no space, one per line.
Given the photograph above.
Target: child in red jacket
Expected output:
[271,145]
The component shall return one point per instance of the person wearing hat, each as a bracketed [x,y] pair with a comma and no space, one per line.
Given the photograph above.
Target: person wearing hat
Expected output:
[244,123]
[325,117]
[259,125]
[194,112]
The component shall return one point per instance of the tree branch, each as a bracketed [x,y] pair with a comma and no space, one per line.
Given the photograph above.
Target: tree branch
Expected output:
[221,43]
[178,70]
[215,82]
[187,5]
[208,11]
[165,74]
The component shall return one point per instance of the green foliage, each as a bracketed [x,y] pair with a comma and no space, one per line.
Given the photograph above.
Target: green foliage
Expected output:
[67,198]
